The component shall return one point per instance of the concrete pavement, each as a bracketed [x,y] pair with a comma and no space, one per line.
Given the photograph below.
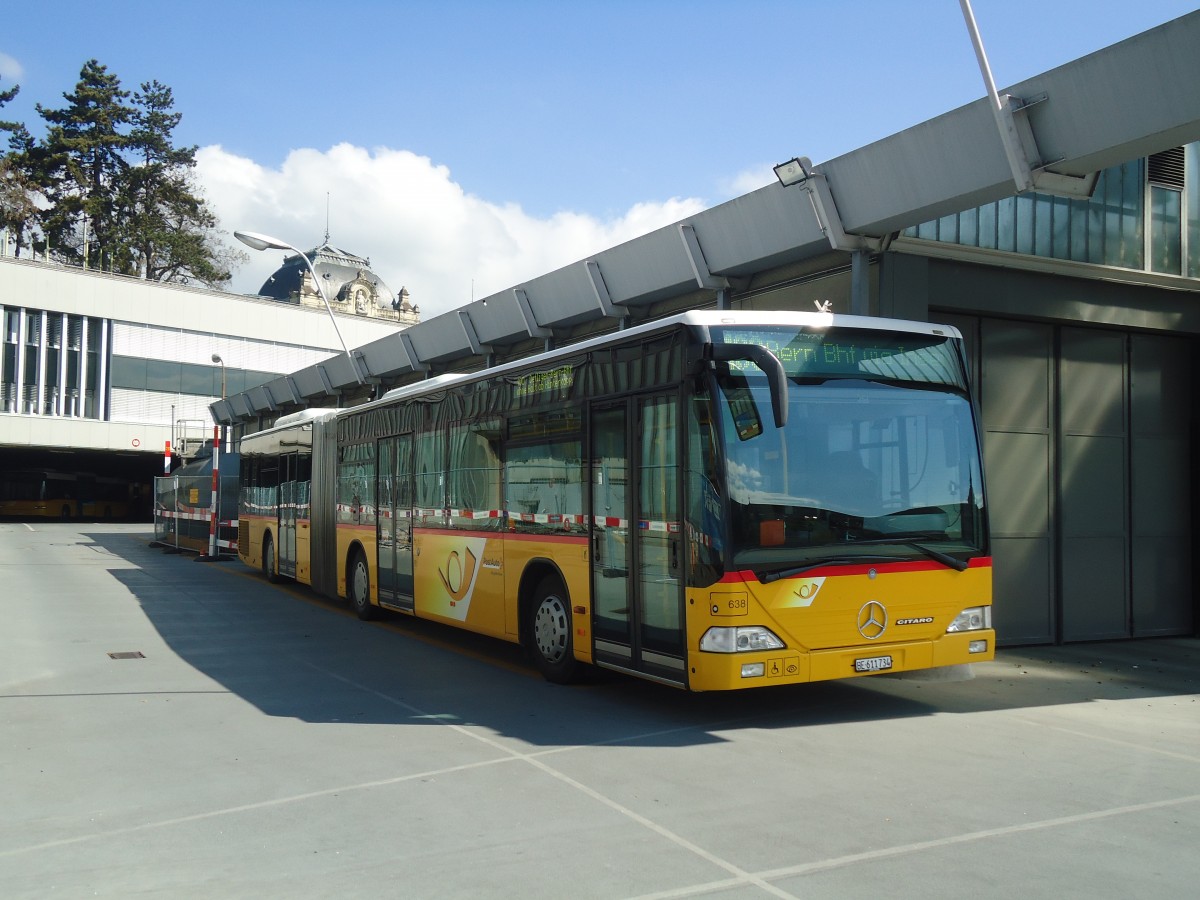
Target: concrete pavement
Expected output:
[265,743]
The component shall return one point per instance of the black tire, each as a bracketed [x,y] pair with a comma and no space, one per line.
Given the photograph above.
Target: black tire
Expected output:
[550,632]
[269,565]
[358,587]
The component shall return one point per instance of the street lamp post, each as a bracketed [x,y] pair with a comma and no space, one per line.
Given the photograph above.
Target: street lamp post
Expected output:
[258,241]
[216,357]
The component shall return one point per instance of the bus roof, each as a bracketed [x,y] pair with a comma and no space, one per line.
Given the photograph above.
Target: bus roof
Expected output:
[429,384]
[700,319]
[268,440]
[303,417]
[703,319]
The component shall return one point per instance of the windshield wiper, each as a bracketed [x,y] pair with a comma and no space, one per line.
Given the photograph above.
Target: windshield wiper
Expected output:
[959,565]
[937,555]
[944,558]
[824,561]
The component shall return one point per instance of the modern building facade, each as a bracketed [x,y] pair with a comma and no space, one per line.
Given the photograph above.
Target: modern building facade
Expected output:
[1070,261]
[1081,318]
[99,371]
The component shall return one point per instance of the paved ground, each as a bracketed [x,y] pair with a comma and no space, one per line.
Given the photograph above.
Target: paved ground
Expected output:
[267,744]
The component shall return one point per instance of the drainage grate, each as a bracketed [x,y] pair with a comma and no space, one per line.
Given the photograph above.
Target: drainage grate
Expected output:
[128,654]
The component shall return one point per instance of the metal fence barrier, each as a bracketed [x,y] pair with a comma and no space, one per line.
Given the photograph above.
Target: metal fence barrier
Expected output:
[183,513]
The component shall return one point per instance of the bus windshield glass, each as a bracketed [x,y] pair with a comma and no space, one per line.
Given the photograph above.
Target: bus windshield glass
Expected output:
[878,460]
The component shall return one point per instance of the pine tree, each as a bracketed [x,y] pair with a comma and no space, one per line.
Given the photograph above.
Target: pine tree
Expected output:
[18,188]
[170,227]
[5,97]
[107,187]
[86,169]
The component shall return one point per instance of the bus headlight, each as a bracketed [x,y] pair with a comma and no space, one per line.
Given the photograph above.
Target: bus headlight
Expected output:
[742,639]
[974,618]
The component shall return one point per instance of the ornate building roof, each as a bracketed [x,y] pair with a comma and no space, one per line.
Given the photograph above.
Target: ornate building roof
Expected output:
[352,287]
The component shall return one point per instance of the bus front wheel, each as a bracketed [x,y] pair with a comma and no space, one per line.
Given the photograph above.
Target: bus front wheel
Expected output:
[549,630]
[359,587]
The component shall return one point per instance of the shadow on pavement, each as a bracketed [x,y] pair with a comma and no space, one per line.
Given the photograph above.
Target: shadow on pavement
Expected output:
[291,653]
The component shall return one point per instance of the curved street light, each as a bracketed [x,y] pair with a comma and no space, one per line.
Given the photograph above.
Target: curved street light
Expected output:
[256,241]
[216,357]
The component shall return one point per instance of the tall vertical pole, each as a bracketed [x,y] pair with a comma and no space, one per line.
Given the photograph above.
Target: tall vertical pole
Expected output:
[1001,112]
[215,501]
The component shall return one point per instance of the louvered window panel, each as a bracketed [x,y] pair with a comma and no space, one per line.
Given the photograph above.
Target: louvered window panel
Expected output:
[1167,168]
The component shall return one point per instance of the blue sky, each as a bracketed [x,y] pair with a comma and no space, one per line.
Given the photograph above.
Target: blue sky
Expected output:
[467,145]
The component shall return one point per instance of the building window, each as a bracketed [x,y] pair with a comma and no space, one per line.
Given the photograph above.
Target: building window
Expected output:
[8,374]
[1166,176]
[1143,215]
[1165,233]
[52,364]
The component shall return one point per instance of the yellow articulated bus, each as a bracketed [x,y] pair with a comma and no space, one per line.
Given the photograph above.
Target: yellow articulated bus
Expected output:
[46,494]
[716,500]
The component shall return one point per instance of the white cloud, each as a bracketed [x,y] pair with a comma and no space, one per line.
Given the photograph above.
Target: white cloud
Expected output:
[748,180]
[415,223]
[10,69]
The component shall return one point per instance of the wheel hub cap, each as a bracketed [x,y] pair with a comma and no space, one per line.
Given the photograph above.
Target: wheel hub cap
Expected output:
[550,629]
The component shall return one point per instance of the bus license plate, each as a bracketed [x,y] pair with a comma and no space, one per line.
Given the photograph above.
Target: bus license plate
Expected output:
[873,664]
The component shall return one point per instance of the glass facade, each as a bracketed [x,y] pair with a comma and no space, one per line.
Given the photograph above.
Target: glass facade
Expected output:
[1191,195]
[189,379]
[53,364]
[58,364]
[1130,221]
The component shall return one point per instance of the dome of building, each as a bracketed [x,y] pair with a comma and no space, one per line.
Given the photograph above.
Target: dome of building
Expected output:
[350,284]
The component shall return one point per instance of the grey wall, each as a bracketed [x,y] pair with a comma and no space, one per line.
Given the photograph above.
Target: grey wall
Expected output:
[1088,444]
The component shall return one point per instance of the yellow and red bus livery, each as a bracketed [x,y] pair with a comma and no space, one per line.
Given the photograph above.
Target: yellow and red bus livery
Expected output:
[717,500]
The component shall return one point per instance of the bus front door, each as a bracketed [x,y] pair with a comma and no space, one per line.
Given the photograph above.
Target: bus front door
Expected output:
[395,523]
[637,585]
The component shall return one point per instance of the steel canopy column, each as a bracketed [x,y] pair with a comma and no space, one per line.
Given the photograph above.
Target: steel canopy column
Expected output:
[860,282]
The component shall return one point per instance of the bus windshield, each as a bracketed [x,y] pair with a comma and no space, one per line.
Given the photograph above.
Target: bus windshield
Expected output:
[878,460]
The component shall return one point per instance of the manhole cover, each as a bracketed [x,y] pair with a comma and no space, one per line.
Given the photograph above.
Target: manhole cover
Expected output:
[128,654]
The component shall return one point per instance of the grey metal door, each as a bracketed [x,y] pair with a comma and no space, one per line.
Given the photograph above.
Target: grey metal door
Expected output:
[1093,484]
[1017,395]
[1161,472]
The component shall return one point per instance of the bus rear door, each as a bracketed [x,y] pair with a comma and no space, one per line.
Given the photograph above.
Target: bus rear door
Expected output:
[290,498]
[394,537]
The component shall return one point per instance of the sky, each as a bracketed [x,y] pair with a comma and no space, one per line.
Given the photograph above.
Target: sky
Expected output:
[465,146]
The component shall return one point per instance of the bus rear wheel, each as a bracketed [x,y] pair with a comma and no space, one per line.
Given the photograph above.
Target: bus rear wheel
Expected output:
[359,587]
[269,567]
[549,630]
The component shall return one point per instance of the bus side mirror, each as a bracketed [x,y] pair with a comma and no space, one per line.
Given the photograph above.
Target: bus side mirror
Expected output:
[765,360]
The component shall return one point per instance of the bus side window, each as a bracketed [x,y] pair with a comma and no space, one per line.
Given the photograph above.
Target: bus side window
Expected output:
[429,478]
[544,487]
[475,474]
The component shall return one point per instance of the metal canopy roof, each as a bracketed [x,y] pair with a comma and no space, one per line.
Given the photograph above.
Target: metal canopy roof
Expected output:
[1135,98]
